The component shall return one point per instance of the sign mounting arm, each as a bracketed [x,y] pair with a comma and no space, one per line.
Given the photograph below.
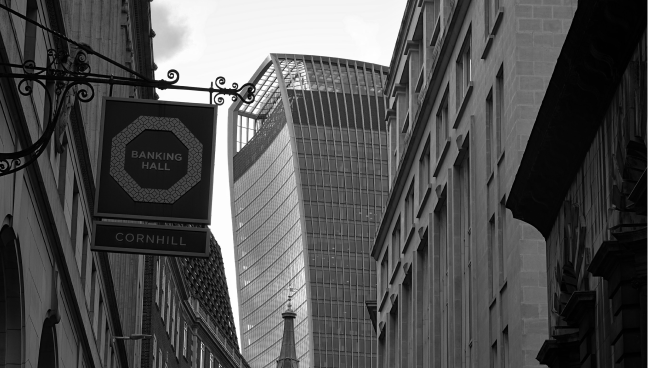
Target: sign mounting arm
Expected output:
[73,79]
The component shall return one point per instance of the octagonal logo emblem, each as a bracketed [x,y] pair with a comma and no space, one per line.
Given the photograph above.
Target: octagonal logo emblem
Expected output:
[156,159]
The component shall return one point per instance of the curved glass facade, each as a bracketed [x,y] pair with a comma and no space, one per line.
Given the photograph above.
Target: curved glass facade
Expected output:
[308,194]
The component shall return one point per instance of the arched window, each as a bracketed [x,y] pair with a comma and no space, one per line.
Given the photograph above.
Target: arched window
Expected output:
[48,345]
[11,300]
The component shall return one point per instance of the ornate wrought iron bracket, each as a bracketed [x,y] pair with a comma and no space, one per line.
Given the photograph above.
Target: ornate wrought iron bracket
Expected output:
[71,80]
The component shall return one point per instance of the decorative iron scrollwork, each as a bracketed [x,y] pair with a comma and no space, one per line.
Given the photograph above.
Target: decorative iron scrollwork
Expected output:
[245,93]
[12,162]
[71,73]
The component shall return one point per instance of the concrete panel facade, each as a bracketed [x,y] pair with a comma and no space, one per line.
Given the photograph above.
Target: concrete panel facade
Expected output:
[460,282]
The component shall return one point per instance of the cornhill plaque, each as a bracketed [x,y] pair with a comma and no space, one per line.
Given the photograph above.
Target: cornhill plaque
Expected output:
[156,164]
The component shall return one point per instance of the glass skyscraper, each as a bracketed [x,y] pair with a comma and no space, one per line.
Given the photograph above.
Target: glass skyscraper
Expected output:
[308,178]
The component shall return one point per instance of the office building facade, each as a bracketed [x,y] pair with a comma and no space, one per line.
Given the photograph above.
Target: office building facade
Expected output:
[460,282]
[307,179]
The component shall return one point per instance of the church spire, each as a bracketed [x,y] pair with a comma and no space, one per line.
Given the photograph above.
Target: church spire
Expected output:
[287,356]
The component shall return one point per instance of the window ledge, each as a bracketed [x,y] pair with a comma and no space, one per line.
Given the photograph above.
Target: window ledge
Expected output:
[423,201]
[421,79]
[383,300]
[493,32]
[462,107]
[441,157]
[395,271]
[492,303]
[405,124]
[503,286]
[487,46]
[436,33]
[490,178]
[422,233]
[498,20]
[440,199]
[499,160]
[408,238]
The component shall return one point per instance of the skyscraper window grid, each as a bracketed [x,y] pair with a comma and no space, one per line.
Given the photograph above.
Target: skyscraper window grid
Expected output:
[336,108]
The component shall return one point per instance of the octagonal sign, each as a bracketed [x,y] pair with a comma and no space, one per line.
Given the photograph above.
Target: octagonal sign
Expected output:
[156,161]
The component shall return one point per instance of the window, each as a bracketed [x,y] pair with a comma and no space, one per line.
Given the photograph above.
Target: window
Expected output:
[179,317]
[210,360]
[94,291]
[154,351]
[492,269]
[422,299]
[505,346]
[443,278]
[463,70]
[491,8]
[48,105]
[77,223]
[409,213]
[86,251]
[160,358]
[501,257]
[172,326]
[201,354]
[490,141]
[29,50]
[424,169]
[63,167]
[442,124]
[107,349]
[395,251]
[499,111]
[100,318]
[112,359]
[184,341]
[168,308]
[384,275]
[493,358]
[156,292]
[163,291]
[463,171]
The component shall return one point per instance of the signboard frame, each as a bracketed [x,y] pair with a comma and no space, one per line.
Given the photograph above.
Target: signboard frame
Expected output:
[206,219]
[137,250]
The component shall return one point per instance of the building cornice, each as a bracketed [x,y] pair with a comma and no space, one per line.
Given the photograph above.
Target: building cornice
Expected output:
[434,81]
[407,19]
[593,59]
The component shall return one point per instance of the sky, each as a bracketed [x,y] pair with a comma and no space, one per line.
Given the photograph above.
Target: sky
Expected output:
[205,39]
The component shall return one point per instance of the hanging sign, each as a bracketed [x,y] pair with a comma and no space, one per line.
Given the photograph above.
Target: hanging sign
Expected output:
[155,164]
[121,237]
[156,161]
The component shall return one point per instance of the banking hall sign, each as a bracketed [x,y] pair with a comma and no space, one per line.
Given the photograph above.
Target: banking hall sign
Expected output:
[155,171]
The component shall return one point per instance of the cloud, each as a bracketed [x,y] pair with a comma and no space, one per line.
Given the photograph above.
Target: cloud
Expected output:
[171,32]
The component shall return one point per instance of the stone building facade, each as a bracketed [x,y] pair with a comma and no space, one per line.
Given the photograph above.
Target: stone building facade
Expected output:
[582,184]
[58,307]
[188,313]
[460,282]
